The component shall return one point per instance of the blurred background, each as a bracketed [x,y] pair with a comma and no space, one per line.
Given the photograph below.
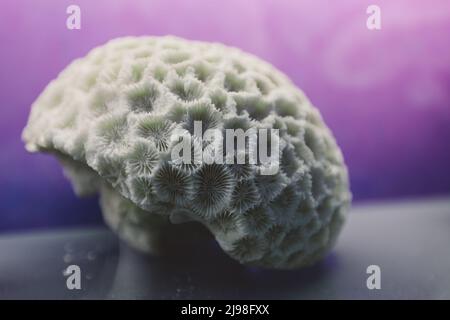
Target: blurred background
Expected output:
[384,93]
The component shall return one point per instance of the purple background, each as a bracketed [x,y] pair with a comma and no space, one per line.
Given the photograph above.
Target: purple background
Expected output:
[385,94]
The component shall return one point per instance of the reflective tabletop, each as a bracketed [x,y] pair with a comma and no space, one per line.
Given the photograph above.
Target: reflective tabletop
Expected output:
[409,241]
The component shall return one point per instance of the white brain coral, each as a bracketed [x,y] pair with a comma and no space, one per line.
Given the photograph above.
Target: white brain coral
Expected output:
[109,118]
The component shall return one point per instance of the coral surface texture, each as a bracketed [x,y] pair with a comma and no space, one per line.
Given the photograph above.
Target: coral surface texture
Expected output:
[110,119]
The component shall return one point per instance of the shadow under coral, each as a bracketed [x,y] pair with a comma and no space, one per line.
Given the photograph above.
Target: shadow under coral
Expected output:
[205,272]
[35,265]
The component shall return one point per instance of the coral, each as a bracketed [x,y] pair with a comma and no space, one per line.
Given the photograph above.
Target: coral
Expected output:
[111,118]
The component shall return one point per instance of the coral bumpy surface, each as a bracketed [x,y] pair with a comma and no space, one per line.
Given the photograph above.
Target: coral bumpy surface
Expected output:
[109,116]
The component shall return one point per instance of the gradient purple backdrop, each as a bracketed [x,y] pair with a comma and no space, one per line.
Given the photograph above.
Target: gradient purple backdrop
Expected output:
[385,94]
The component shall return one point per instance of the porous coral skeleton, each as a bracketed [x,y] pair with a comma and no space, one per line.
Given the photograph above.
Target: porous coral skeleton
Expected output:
[109,117]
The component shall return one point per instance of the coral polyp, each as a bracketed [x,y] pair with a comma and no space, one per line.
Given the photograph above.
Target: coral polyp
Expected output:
[114,120]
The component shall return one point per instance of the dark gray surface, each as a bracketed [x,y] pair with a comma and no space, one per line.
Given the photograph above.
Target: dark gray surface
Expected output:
[410,241]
